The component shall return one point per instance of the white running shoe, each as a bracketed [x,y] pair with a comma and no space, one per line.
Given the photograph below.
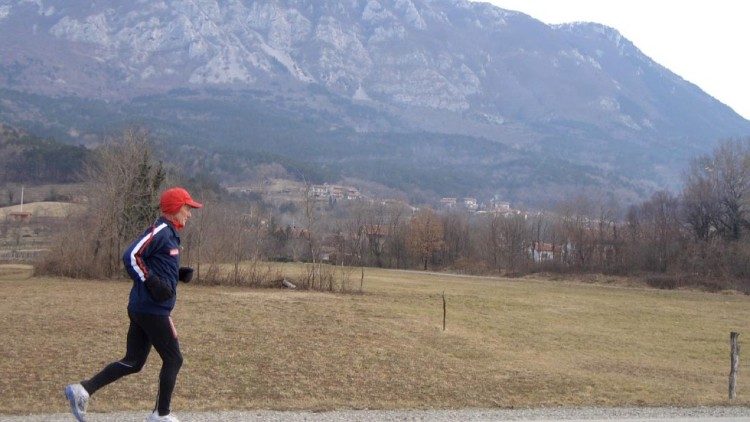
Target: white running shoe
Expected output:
[78,398]
[154,417]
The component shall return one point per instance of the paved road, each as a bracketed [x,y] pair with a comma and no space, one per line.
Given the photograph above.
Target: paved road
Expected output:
[656,414]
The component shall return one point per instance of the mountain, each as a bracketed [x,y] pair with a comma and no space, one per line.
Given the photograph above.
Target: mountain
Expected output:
[274,78]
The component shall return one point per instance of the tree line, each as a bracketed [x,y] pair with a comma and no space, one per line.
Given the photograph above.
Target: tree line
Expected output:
[698,236]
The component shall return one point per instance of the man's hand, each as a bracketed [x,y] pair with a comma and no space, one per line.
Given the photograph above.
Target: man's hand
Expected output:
[159,289]
[185,274]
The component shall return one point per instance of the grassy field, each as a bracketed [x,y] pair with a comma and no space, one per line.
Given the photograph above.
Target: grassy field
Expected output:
[44,209]
[40,193]
[508,343]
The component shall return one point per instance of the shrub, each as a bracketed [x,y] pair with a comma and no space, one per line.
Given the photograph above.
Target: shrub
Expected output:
[662,281]
[249,274]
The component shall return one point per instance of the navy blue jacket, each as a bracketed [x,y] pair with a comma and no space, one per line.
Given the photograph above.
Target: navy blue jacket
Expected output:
[156,251]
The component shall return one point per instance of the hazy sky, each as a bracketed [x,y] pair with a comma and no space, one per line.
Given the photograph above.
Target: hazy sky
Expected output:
[705,42]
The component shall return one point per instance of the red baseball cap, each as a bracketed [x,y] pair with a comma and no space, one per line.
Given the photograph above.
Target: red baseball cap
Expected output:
[173,199]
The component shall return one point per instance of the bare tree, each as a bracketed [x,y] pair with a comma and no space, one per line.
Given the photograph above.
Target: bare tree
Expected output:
[456,234]
[376,232]
[660,216]
[425,236]
[354,235]
[395,244]
[123,182]
[607,242]
[493,241]
[715,197]
[575,224]
[514,239]
[700,204]
[312,220]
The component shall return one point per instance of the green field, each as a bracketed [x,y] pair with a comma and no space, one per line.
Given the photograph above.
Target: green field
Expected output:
[508,343]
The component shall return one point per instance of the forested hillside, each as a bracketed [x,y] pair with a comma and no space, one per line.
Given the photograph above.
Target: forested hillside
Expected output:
[25,158]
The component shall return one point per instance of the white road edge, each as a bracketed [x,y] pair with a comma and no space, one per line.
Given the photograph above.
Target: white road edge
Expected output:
[587,414]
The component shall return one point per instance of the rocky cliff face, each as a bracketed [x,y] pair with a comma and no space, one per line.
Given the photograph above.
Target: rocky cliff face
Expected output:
[449,66]
[393,51]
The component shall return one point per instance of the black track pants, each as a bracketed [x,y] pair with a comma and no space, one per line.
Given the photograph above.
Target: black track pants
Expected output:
[145,330]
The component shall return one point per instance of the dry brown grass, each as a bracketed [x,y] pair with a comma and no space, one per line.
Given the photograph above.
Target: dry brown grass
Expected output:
[520,343]
[44,209]
[40,193]
[15,271]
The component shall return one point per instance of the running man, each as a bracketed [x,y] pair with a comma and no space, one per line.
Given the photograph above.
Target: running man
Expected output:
[153,262]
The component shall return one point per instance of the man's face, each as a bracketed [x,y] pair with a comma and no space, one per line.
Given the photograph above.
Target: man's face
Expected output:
[183,215]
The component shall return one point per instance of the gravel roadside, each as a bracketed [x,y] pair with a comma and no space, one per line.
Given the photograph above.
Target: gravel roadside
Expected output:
[631,414]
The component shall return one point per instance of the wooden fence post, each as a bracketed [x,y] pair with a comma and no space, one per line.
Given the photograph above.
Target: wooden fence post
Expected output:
[443,310]
[735,355]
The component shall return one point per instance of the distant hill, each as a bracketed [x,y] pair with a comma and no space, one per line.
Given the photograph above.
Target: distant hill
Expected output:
[442,97]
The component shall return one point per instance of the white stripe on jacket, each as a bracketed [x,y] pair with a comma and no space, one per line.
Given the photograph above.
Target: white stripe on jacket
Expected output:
[136,252]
